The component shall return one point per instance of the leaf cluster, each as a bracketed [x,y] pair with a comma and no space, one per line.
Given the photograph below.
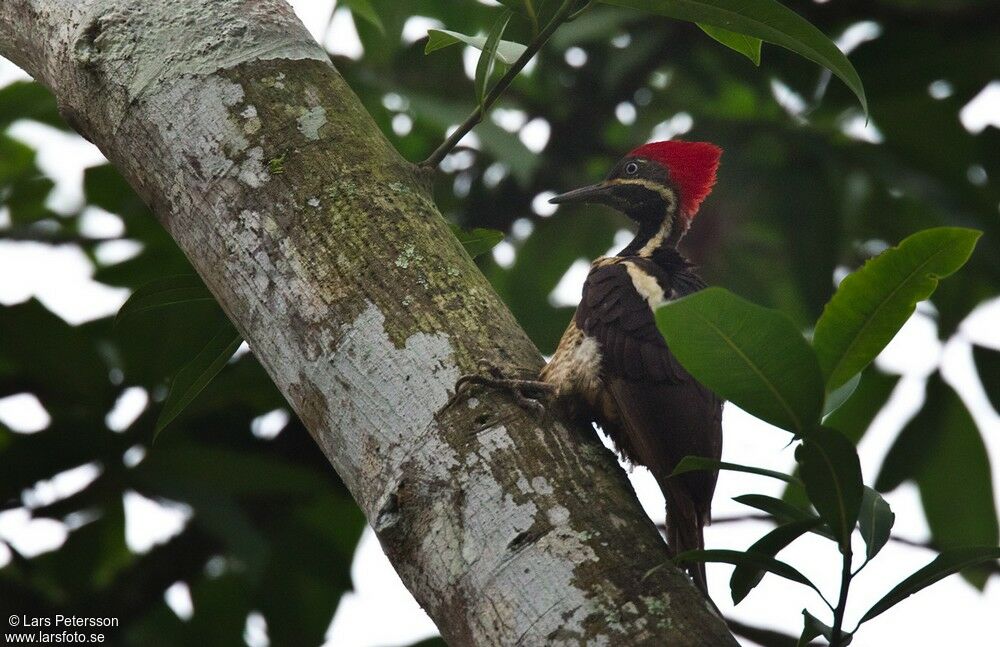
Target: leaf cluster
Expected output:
[756,358]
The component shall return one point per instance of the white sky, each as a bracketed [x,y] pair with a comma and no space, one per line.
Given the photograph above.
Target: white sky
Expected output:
[949,613]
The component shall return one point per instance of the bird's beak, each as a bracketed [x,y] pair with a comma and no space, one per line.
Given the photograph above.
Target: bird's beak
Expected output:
[593,193]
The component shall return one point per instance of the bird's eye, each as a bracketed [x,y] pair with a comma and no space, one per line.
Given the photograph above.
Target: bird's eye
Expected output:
[631,168]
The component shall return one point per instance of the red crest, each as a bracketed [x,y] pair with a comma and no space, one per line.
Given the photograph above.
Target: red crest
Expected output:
[692,167]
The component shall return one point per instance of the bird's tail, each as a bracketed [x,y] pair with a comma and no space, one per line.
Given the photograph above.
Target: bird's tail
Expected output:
[685,531]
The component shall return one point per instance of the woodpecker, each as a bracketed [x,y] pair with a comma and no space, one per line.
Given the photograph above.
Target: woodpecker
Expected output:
[612,365]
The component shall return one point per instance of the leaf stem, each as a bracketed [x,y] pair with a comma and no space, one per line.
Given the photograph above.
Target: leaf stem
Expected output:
[579,12]
[838,615]
[491,97]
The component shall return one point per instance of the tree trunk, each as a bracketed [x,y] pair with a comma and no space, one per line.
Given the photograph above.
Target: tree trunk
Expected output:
[327,252]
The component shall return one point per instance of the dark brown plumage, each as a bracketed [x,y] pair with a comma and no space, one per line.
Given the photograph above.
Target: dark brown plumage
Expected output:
[613,366]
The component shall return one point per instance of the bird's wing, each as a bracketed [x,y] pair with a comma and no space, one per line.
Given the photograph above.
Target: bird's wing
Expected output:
[619,319]
[663,423]
[664,413]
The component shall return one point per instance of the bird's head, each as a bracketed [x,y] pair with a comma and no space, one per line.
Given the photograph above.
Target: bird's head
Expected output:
[658,184]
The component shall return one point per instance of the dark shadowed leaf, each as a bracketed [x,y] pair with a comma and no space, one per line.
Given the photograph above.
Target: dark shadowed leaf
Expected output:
[478,241]
[746,45]
[223,471]
[196,375]
[960,510]
[784,511]
[431,642]
[874,302]
[777,508]
[524,7]
[829,466]
[752,560]
[809,630]
[696,463]
[767,20]
[812,627]
[745,576]
[945,564]
[875,521]
[71,362]
[749,355]
[853,417]
[365,10]
[28,100]
[988,366]
[164,293]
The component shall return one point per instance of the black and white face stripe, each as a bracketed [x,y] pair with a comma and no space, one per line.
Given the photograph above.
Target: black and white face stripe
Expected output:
[645,198]
[642,189]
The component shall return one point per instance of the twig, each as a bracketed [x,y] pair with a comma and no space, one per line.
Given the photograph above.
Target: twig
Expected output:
[491,97]
[845,586]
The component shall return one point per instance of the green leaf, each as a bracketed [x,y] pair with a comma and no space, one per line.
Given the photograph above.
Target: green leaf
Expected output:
[364,9]
[523,7]
[767,20]
[748,354]
[829,466]
[745,576]
[196,375]
[696,463]
[945,564]
[755,560]
[741,43]
[809,631]
[855,416]
[836,398]
[28,100]
[812,627]
[782,511]
[163,293]
[488,59]
[988,366]
[873,303]
[507,51]
[775,507]
[875,521]
[959,505]
[478,241]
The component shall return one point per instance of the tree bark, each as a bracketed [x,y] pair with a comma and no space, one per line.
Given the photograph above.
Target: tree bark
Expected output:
[327,252]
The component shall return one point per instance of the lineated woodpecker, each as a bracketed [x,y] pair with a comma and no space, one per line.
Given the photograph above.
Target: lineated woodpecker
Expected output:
[612,365]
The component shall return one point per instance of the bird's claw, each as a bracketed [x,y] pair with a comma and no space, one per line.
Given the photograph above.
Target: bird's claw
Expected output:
[529,394]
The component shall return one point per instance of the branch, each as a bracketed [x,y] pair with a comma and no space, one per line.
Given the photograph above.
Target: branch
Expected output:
[491,97]
[349,286]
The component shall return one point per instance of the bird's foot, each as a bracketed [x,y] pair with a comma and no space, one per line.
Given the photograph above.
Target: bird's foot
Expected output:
[529,394]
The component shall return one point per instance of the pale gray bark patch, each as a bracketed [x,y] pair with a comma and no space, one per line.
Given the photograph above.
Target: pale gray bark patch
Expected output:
[185,38]
[311,121]
[467,542]
[393,408]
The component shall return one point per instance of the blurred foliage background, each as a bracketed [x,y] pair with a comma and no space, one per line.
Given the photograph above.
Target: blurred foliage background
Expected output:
[806,190]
